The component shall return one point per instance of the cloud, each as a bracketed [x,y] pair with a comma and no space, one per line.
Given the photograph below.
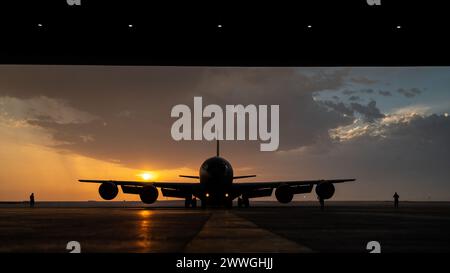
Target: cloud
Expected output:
[354,98]
[410,111]
[339,107]
[407,153]
[124,113]
[42,108]
[369,111]
[383,126]
[409,93]
[349,92]
[361,91]
[385,93]
[367,91]
[363,80]
[87,138]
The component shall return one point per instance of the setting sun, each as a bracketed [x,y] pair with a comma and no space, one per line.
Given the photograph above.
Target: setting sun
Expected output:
[147,176]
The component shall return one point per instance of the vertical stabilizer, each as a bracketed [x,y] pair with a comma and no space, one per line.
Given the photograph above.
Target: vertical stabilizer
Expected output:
[218,149]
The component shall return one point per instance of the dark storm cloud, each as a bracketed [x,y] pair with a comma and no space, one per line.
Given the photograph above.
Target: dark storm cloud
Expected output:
[302,120]
[385,93]
[354,98]
[408,157]
[132,106]
[339,107]
[92,88]
[409,93]
[406,92]
[411,158]
[369,111]
[433,130]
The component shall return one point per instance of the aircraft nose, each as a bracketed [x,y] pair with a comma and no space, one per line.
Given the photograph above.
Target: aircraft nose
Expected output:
[218,170]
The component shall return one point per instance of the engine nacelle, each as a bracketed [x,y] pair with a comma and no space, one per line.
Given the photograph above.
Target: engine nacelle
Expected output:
[325,190]
[108,190]
[149,194]
[284,194]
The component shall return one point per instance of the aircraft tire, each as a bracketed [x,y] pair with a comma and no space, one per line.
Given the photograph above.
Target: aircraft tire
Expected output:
[239,201]
[228,204]
[246,202]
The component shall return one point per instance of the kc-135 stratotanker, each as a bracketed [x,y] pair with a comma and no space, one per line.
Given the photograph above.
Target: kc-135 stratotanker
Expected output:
[216,187]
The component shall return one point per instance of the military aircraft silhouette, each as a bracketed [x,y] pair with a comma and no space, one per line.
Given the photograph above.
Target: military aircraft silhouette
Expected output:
[216,187]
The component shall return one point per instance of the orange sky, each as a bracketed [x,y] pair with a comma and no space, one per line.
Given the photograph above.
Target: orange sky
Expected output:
[53,175]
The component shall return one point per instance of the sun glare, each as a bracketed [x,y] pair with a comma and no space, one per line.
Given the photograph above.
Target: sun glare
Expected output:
[147,176]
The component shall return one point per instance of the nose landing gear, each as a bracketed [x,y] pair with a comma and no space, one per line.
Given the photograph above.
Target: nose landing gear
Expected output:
[190,202]
[243,202]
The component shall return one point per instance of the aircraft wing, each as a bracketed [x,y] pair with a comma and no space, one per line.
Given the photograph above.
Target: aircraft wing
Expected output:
[167,185]
[275,184]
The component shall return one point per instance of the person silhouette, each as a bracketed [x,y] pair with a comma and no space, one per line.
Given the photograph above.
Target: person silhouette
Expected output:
[32,200]
[396,197]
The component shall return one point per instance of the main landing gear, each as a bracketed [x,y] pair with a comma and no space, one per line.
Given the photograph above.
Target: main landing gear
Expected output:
[243,202]
[190,202]
[228,203]
[322,203]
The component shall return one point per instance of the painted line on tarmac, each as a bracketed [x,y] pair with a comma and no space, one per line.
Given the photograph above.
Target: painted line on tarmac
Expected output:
[227,232]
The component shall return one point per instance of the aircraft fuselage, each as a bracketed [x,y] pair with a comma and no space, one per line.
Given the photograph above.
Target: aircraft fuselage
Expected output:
[216,178]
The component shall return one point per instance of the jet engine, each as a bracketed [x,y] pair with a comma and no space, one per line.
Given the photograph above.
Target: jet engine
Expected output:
[108,190]
[149,194]
[325,190]
[284,194]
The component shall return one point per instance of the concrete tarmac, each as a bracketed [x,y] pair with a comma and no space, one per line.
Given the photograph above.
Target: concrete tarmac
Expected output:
[341,227]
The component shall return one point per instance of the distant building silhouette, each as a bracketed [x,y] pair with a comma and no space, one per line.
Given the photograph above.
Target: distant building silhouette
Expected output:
[396,197]
[32,200]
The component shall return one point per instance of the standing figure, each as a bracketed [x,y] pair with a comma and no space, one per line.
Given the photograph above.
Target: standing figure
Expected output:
[32,200]
[396,196]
